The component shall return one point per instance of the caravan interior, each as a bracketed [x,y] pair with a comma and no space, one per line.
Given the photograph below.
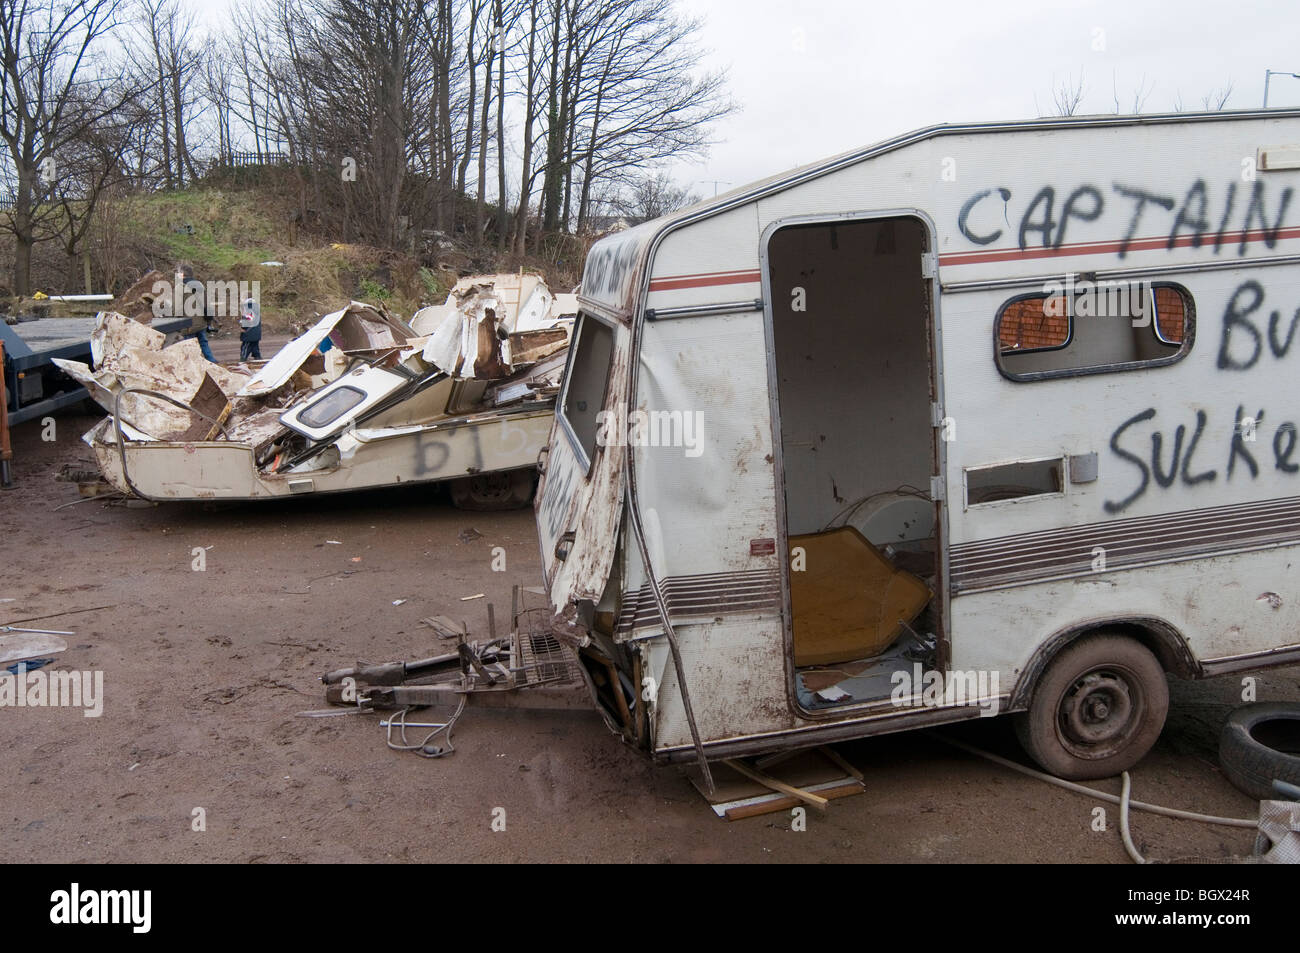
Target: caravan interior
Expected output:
[851,340]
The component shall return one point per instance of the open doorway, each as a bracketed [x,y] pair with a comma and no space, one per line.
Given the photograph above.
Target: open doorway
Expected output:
[854,382]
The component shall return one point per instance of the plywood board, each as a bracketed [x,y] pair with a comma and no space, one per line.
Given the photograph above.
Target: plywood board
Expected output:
[847,600]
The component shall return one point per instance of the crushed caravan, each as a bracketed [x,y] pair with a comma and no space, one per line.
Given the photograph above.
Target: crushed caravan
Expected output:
[464,394]
[967,444]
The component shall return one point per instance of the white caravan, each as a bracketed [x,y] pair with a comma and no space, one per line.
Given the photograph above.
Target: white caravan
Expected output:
[985,418]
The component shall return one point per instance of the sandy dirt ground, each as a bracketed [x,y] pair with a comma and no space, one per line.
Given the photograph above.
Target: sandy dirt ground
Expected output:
[205,672]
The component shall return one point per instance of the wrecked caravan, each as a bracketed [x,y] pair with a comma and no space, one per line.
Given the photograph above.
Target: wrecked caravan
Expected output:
[463,394]
[985,418]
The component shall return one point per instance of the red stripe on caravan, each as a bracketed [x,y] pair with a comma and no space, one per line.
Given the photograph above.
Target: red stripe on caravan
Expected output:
[673,282]
[1105,248]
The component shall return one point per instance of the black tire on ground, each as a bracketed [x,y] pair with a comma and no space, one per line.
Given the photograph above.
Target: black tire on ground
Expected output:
[1261,742]
[1097,710]
[493,491]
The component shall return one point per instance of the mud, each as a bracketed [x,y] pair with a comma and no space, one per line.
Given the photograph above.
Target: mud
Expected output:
[205,672]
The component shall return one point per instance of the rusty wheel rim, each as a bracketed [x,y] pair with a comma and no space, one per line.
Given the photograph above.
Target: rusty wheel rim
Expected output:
[1100,712]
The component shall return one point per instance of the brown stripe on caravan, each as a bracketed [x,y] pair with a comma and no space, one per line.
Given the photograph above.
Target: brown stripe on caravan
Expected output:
[1009,561]
[984,256]
[702,595]
[1161,243]
[705,280]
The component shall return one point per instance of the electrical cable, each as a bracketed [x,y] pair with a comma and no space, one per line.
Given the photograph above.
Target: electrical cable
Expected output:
[422,749]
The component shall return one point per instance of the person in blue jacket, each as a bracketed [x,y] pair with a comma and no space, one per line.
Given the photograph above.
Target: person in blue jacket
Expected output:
[250,331]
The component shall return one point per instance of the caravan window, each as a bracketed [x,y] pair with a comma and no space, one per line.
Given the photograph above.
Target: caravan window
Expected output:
[586,380]
[1091,327]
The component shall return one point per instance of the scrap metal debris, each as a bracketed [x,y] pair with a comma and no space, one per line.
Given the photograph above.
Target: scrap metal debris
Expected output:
[361,399]
[527,658]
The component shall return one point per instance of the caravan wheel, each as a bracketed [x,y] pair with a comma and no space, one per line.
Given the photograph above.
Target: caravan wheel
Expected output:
[1097,709]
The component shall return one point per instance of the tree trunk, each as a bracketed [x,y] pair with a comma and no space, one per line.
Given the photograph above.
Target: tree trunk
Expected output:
[550,199]
[178,115]
[164,121]
[22,224]
[501,137]
[448,142]
[585,198]
[22,262]
[471,62]
[482,145]
[525,185]
[569,133]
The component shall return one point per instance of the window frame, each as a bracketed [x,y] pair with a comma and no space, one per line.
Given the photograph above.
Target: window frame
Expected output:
[1155,314]
[1019,377]
[348,388]
[586,460]
[1069,324]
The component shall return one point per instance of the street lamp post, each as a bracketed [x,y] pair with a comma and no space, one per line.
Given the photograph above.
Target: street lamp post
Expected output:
[1269,74]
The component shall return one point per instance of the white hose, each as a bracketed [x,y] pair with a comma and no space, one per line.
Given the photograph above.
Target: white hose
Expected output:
[1109,798]
[1123,822]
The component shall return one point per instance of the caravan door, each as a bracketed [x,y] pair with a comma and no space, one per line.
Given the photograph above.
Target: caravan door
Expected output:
[855,395]
[580,497]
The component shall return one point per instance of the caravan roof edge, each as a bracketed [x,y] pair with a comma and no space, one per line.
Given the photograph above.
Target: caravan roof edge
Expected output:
[781,181]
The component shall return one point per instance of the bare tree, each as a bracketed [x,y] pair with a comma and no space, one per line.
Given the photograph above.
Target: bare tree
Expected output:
[1067,95]
[1212,101]
[651,196]
[531,73]
[595,91]
[1140,95]
[182,67]
[506,18]
[54,91]
[218,84]
[91,166]
[1217,99]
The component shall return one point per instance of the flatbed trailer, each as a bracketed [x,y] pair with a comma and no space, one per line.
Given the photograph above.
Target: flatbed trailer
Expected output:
[33,384]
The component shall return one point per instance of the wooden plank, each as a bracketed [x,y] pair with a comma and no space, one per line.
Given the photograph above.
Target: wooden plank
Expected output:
[779,803]
[616,687]
[445,628]
[769,782]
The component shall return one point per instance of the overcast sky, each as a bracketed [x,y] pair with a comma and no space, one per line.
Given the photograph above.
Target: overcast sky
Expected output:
[817,77]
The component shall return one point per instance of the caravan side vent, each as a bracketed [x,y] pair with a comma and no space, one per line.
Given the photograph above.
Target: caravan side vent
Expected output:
[1014,481]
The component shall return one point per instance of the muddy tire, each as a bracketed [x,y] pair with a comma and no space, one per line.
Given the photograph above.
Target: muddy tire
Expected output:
[1261,742]
[493,491]
[1097,710]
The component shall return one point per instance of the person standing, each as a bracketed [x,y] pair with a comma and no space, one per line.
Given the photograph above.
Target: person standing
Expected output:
[250,331]
[192,290]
